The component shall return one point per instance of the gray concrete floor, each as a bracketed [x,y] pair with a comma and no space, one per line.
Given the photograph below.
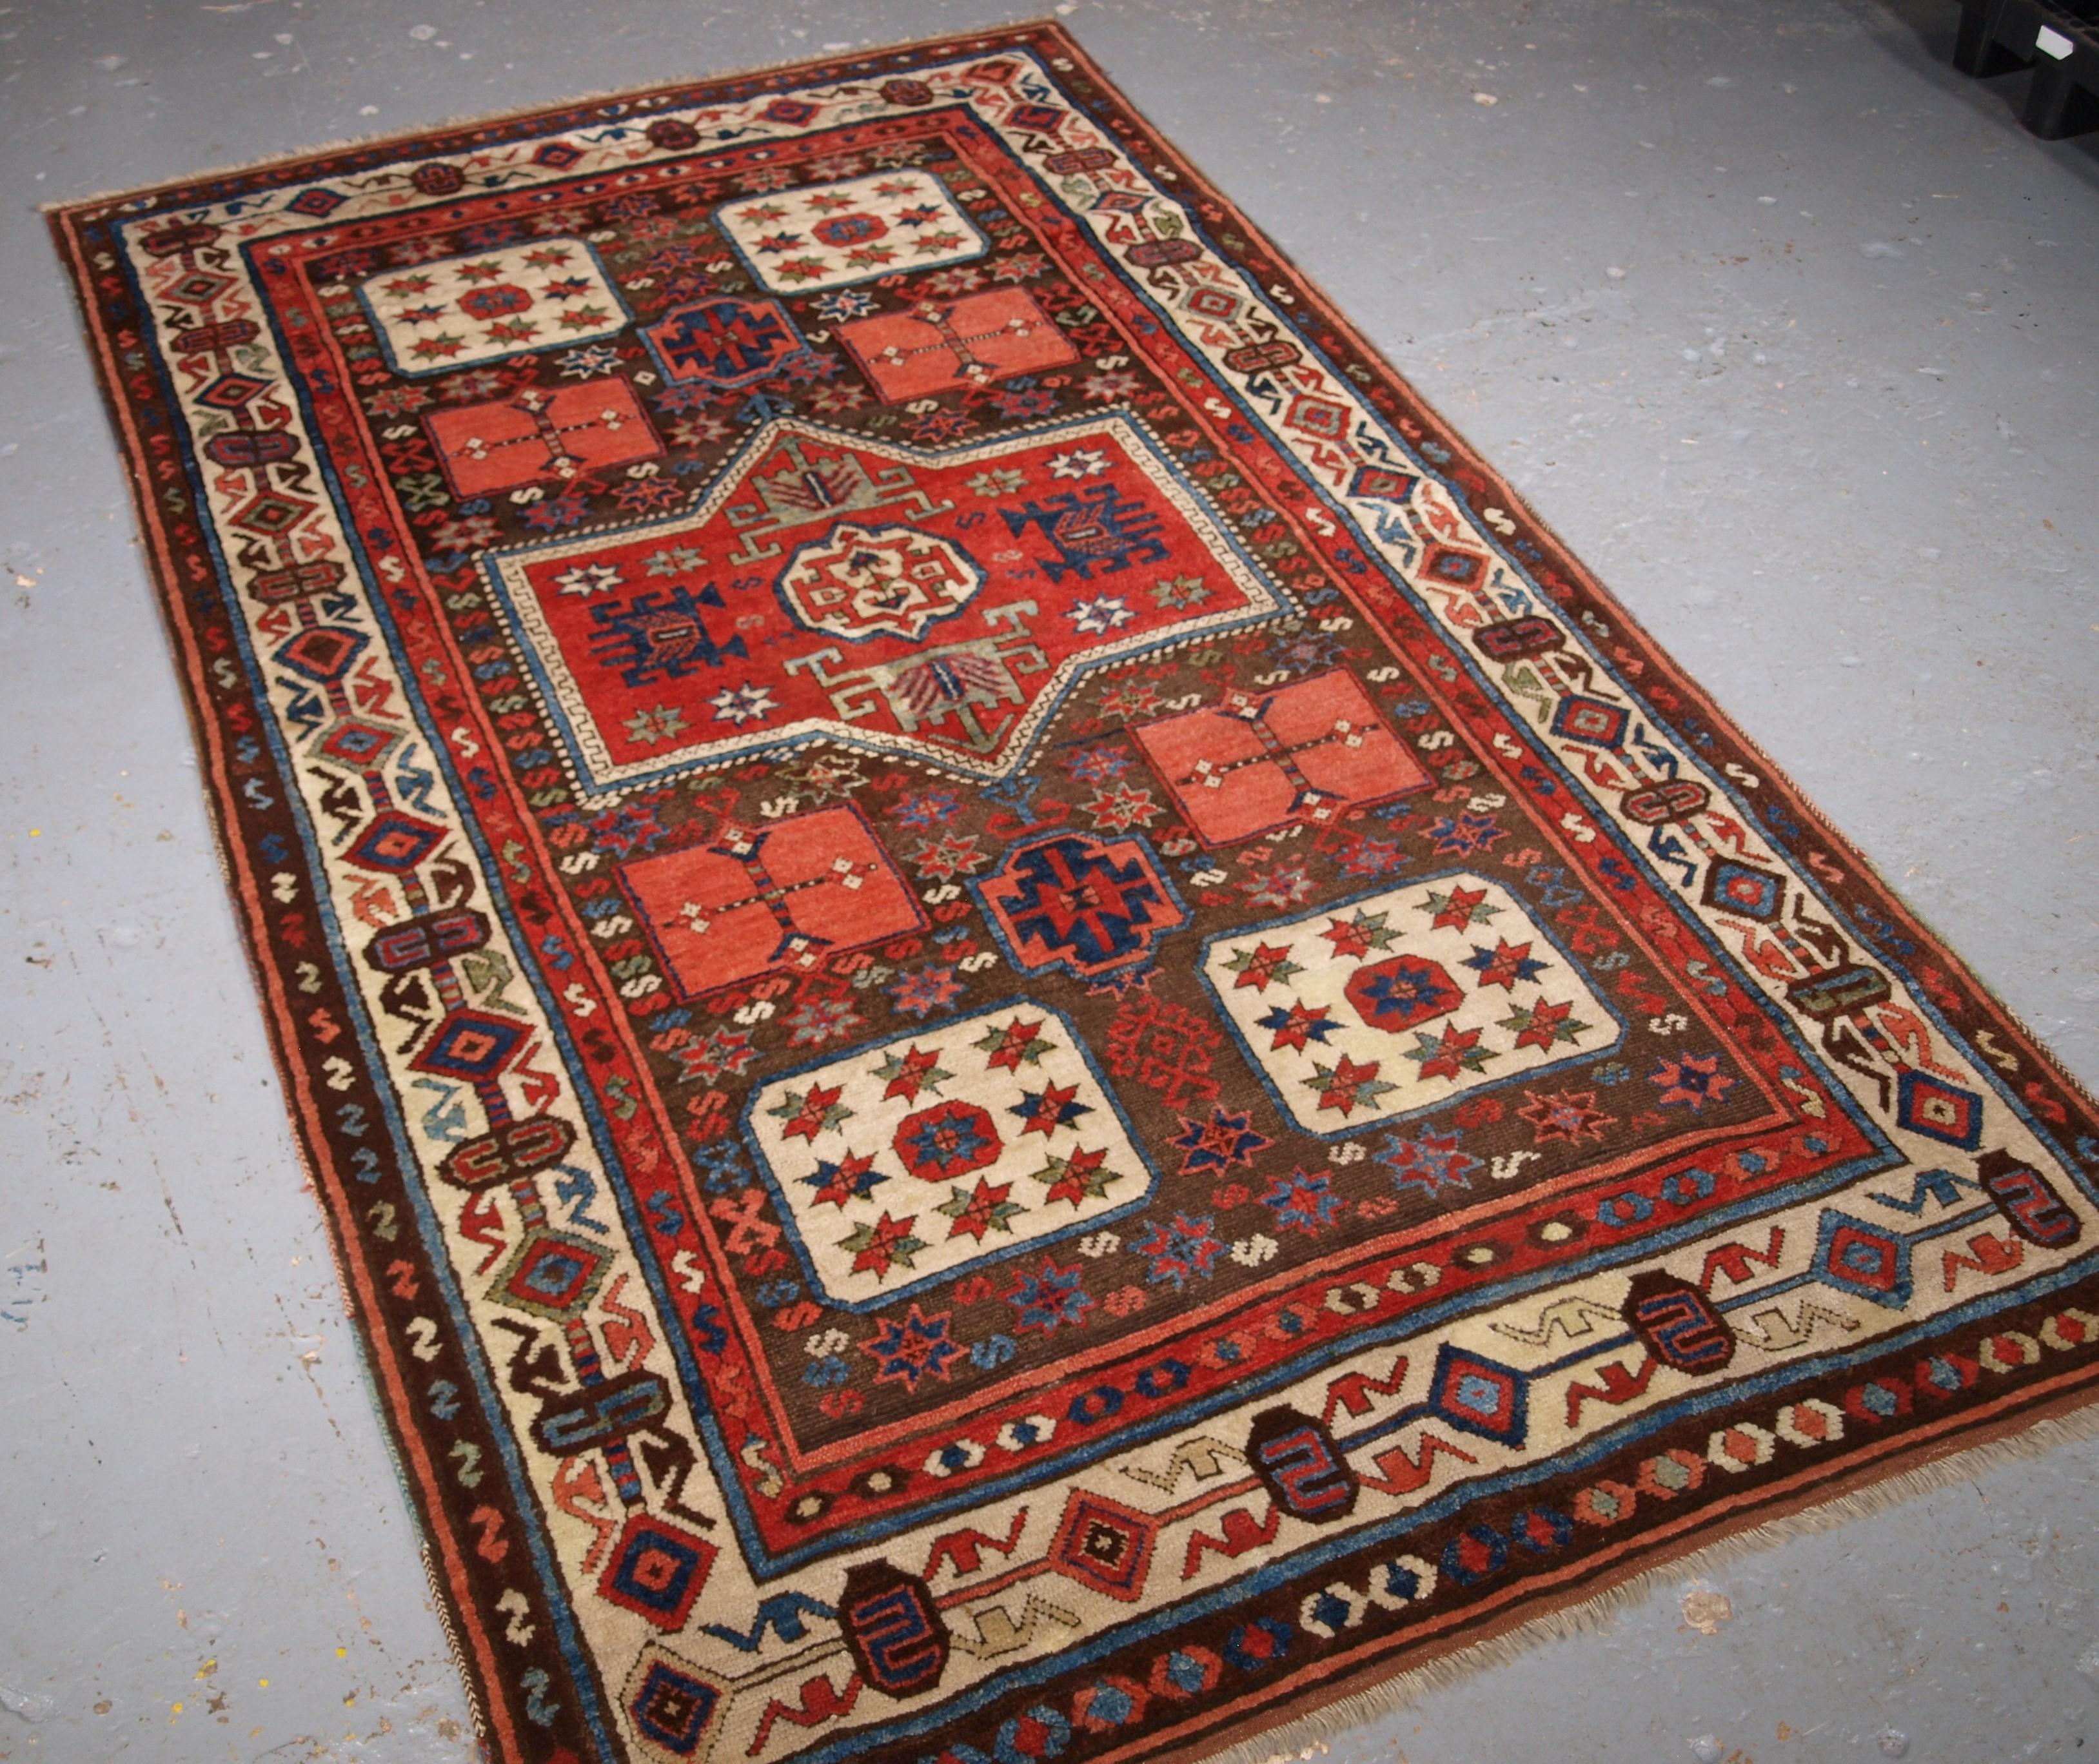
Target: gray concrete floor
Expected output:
[1789,329]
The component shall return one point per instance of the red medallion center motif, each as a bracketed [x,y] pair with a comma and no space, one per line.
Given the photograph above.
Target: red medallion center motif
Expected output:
[890,598]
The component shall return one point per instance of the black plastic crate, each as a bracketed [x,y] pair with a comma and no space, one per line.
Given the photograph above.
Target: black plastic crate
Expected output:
[2059,41]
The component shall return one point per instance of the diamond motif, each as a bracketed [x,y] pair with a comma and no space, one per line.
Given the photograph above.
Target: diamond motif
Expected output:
[324,653]
[1104,1545]
[394,843]
[1862,1259]
[472,1045]
[671,1705]
[352,742]
[656,1571]
[1590,721]
[271,513]
[200,288]
[1943,1111]
[551,1274]
[1744,890]
[1479,1396]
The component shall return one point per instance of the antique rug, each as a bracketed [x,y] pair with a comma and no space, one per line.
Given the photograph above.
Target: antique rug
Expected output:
[1027,1036]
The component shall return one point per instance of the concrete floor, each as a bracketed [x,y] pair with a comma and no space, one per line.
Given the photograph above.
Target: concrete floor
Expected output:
[1789,329]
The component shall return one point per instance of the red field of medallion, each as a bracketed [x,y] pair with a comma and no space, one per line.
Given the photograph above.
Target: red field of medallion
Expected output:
[930,603]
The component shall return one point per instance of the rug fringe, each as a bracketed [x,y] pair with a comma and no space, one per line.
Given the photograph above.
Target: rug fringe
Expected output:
[630,95]
[1304,1737]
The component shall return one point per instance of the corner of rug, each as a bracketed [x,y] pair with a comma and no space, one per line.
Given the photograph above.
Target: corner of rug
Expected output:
[1302,1738]
[444,125]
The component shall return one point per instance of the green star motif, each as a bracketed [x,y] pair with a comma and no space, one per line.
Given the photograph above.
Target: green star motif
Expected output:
[1079,1178]
[1459,908]
[986,1210]
[1447,1055]
[875,1248]
[650,727]
[1365,934]
[1347,1086]
[1256,967]
[905,1074]
[1020,1043]
[809,1113]
[672,561]
[1541,1025]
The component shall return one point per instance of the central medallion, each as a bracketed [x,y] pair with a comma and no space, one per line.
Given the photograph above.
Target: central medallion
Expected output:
[930,604]
[862,582]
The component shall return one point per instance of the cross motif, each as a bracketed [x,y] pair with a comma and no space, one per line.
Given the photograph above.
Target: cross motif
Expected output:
[1308,799]
[537,404]
[746,845]
[941,318]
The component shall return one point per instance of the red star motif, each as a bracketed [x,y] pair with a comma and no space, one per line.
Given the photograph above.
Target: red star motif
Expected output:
[881,1249]
[816,1114]
[916,1065]
[1543,1026]
[1262,966]
[1341,1088]
[1050,1110]
[1446,1059]
[1569,1115]
[1508,964]
[1347,939]
[983,1212]
[1300,1024]
[844,1183]
[1011,1048]
[1071,1185]
[1458,908]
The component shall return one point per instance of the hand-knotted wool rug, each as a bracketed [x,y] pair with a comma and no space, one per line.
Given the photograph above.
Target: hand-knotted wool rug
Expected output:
[1027,1036]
